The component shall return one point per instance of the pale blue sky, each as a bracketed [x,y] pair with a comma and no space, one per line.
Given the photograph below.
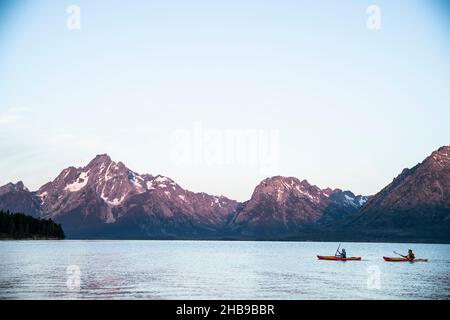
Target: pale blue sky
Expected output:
[352,106]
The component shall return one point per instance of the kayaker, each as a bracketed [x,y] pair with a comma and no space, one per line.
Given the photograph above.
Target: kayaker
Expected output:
[410,255]
[341,254]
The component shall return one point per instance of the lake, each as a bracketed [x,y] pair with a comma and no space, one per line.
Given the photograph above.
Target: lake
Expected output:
[217,270]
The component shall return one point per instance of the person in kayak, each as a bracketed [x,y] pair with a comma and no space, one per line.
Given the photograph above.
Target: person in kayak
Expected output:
[410,256]
[341,254]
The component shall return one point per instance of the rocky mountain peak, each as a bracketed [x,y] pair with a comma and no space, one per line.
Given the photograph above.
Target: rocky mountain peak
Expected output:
[293,187]
[285,205]
[104,191]
[20,186]
[441,156]
[99,160]
[444,150]
[13,187]
[15,197]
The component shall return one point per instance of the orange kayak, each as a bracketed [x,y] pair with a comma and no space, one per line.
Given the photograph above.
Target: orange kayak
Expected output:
[390,259]
[333,258]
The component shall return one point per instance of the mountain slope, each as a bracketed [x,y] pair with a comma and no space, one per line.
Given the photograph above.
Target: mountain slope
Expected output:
[17,198]
[415,204]
[88,194]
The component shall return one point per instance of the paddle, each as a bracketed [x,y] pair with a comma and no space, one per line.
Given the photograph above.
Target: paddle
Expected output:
[337,250]
[400,254]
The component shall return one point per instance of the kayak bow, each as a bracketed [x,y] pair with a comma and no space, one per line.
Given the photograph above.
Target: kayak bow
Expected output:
[333,258]
[390,259]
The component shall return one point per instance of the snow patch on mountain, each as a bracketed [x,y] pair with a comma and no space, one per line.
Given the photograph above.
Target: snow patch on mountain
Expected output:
[363,200]
[162,179]
[78,184]
[42,195]
[136,180]
[115,201]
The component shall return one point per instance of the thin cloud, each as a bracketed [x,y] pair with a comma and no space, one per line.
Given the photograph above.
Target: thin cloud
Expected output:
[12,115]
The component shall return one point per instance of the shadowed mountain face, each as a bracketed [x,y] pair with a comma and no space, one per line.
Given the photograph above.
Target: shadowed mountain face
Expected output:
[415,204]
[105,199]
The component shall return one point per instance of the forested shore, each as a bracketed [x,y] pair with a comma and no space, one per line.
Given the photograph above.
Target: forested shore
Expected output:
[20,226]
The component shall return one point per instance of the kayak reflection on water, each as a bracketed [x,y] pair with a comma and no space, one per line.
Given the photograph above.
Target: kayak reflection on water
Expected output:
[341,254]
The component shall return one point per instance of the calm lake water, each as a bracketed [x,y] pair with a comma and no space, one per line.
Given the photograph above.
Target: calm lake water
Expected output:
[217,270]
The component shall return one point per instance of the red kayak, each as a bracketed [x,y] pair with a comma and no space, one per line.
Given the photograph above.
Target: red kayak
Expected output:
[333,258]
[390,259]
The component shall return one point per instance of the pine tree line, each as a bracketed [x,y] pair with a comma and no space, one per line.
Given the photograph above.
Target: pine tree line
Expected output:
[21,226]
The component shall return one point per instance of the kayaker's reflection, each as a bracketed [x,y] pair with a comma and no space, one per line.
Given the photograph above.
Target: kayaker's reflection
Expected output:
[341,254]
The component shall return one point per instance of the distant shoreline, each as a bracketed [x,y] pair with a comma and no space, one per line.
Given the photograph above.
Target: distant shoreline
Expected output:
[417,241]
[28,239]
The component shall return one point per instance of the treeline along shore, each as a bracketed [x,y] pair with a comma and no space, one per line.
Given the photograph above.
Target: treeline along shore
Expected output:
[20,226]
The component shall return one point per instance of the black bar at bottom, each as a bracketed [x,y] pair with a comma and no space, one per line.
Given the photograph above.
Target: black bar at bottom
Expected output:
[239,309]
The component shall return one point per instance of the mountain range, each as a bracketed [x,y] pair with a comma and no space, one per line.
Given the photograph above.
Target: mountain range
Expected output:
[107,200]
